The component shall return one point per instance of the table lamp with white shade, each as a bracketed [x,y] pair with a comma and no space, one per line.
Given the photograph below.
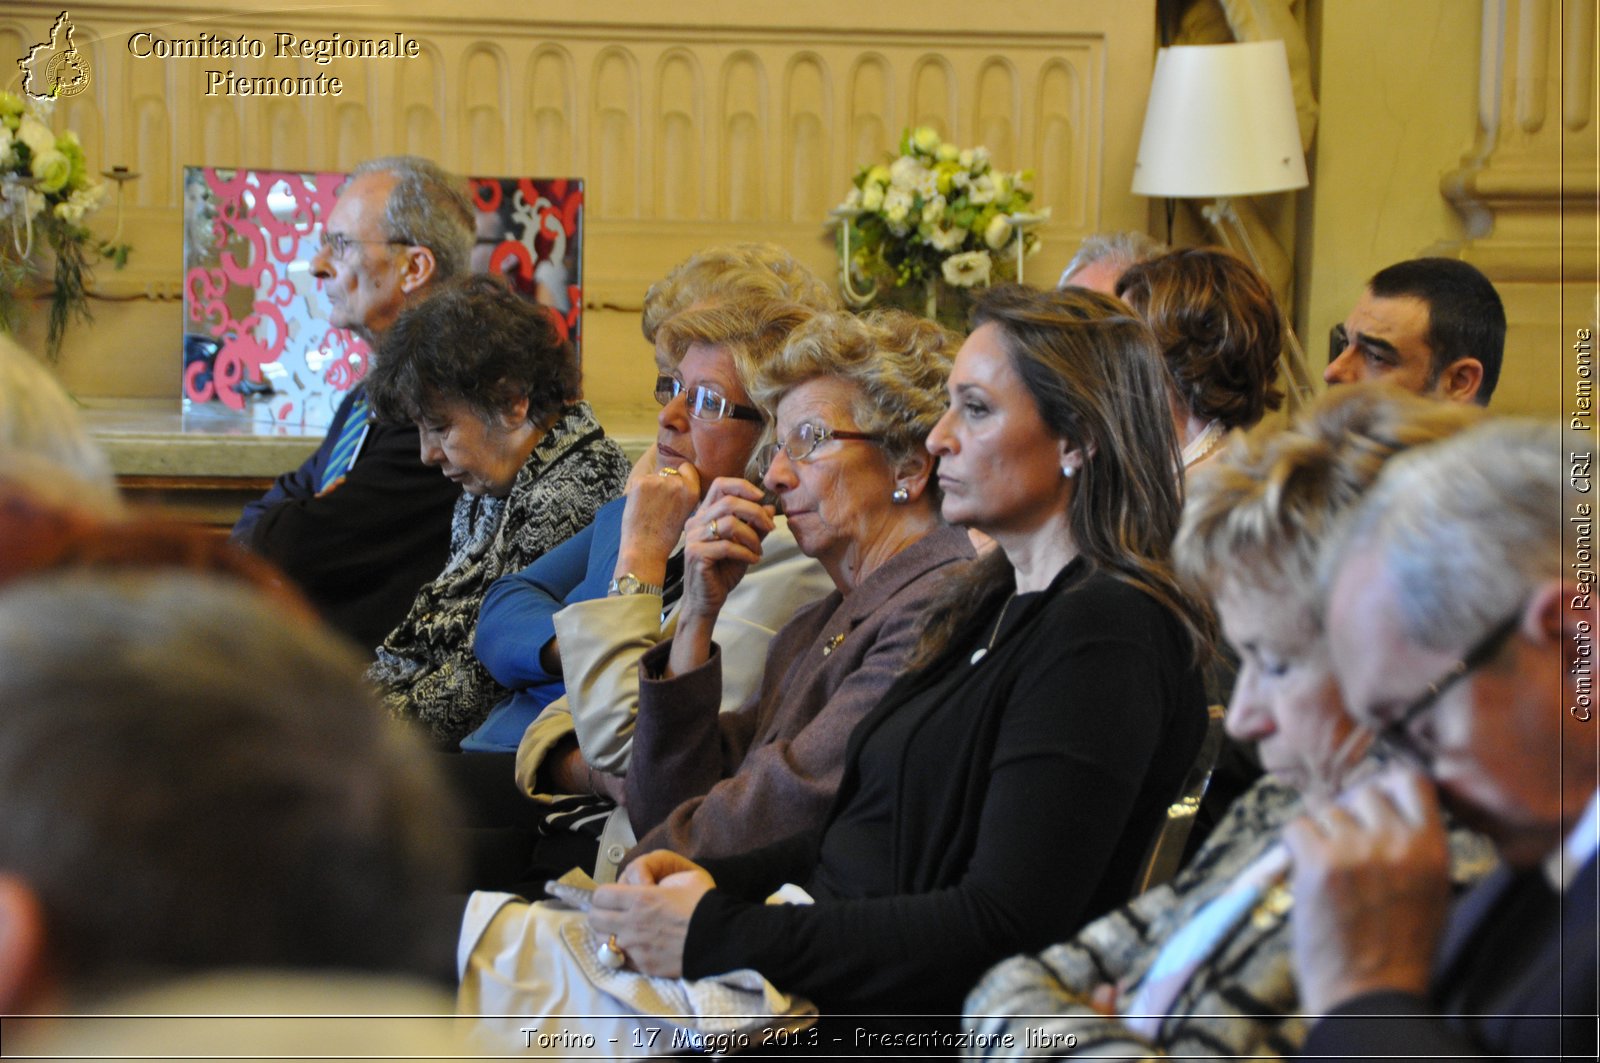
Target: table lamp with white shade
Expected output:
[1221,123]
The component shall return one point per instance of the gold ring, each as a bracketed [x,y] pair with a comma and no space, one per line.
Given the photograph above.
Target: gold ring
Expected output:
[711,531]
[668,471]
[611,955]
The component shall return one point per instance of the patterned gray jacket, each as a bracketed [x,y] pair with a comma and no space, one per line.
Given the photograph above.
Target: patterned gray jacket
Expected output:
[1240,1001]
[426,670]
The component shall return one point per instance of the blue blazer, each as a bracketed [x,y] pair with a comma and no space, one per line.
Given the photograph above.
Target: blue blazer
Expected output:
[1543,1009]
[516,620]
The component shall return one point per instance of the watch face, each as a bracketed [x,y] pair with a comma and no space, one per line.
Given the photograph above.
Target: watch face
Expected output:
[631,584]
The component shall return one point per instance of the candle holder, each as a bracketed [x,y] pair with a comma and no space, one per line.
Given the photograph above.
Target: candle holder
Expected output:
[121,175]
[846,219]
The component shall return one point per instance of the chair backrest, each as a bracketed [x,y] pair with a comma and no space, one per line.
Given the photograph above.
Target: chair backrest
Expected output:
[1166,852]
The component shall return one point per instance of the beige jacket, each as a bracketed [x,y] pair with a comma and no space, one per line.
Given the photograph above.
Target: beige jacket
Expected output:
[603,640]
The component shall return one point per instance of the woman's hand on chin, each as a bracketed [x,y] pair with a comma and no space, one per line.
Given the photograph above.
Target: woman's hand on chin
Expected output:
[660,501]
[649,909]
[723,539]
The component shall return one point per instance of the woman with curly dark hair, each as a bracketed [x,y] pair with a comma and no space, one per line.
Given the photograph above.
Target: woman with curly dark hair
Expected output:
[492,387]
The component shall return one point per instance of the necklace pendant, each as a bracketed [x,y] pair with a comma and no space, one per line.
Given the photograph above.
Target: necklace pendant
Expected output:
[979,654]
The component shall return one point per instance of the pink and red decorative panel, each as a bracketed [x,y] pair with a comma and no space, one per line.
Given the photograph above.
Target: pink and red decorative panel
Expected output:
[257,346]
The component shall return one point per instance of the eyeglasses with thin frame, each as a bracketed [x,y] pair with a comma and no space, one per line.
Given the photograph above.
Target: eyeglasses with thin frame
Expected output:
[336,245]
[705,404]
[1396,735]
[803,440]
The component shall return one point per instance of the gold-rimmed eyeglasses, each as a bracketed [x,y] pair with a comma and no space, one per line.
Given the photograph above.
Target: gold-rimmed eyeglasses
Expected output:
[803,440]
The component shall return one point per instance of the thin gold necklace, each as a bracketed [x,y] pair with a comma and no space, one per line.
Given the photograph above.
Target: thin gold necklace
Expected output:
[983,651]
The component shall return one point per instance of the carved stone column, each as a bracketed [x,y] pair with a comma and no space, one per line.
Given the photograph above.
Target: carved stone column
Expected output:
[1529,189]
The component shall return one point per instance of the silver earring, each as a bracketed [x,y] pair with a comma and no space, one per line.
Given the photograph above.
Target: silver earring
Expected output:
[1069,471]
[900,496]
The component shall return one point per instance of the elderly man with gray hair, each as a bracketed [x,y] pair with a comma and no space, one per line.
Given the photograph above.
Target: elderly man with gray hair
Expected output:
[1459,636]
[1103,258]
[363,524]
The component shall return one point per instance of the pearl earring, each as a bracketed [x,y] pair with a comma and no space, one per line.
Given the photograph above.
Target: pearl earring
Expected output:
[900,496]
[1069,471]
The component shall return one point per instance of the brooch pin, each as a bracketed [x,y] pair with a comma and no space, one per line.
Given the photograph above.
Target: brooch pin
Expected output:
[832,644]
[1273,906]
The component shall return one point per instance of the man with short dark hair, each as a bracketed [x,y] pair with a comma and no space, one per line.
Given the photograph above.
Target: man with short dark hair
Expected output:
[363,523]
[1434,326]
[1454,638]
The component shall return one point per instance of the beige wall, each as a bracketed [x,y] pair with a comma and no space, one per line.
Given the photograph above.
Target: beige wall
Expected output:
[1462,129]
[724,121]
[1398,112]
[738,120]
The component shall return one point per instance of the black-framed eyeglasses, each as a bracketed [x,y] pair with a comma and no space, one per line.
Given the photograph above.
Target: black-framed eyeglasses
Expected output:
[1338,341]
[1396,735]
[803,440]
[705,404]
[336,245]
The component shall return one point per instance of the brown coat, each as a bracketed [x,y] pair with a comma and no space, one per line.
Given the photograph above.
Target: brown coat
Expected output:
[708,784]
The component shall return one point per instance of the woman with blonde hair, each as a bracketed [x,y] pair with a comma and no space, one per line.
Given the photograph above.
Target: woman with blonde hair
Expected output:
[1202,966]
[565,634]
[1005,788]
[853,401]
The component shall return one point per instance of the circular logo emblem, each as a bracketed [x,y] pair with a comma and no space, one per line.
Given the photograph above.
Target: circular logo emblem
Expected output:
[67,74]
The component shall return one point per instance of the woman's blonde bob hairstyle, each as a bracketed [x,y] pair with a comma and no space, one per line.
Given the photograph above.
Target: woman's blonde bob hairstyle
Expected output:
[1262,511]
[733,273]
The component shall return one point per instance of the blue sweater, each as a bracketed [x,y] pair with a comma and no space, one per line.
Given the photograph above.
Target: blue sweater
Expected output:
[516,620]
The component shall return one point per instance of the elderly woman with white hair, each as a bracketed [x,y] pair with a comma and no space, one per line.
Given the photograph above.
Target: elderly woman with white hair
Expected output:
[854,400]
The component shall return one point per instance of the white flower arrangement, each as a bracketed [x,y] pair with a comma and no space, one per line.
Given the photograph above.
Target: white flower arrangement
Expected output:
[936,213]
[45,195]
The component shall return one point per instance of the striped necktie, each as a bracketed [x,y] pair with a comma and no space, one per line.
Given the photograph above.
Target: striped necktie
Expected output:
[349,444]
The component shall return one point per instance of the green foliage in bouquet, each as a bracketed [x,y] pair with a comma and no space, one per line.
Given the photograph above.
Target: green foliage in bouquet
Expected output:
[936,218]
[45,195]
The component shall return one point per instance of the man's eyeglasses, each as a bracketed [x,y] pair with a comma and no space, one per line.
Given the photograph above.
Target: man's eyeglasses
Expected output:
[1396,735]
[803,440]
[705,404]
[335,245]
[1338,341]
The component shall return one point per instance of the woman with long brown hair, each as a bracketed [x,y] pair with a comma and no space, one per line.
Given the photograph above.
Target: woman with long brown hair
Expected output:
[1004,791]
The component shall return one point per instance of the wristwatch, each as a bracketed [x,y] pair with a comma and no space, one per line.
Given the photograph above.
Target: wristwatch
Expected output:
[631,584]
